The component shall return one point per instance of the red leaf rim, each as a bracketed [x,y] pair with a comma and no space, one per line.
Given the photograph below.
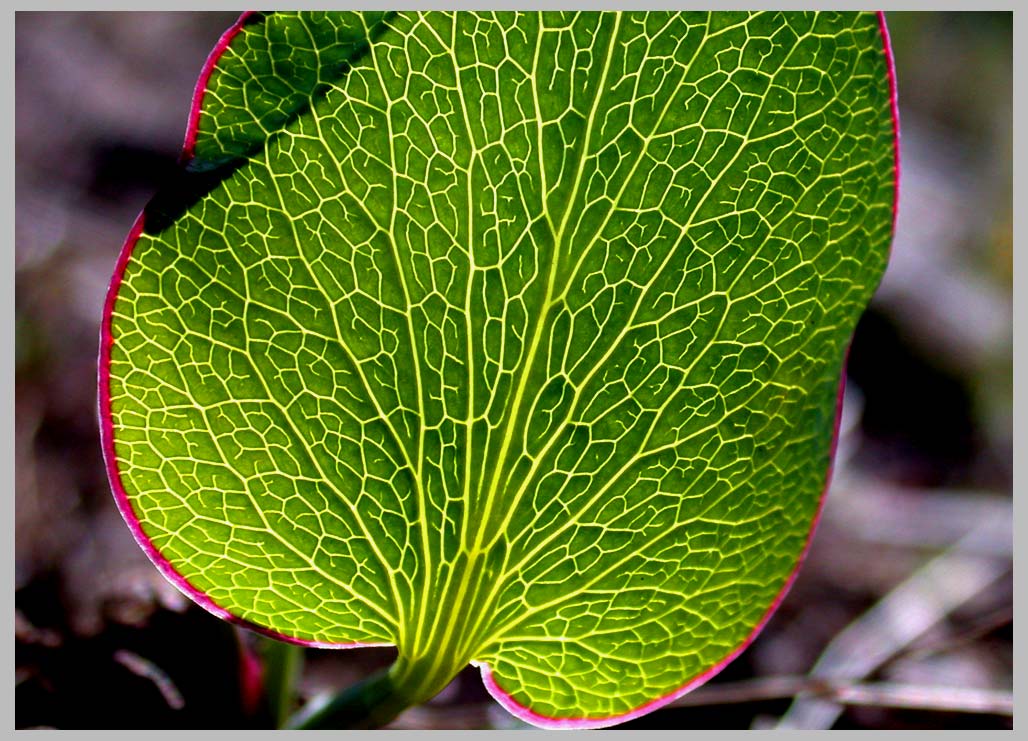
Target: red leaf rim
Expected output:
[492,686]
[104,385]
[526,714]
[193,125]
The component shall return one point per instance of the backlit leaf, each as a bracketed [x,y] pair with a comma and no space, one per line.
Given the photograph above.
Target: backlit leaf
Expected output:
[513,339]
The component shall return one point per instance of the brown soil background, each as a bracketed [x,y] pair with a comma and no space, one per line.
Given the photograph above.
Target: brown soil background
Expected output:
[925,459]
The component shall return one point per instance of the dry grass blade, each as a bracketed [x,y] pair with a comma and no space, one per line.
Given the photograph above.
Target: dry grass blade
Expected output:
[879,694]
[903,615]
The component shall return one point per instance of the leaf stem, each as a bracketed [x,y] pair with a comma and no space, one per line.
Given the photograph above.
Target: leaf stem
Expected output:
[283,663]
[371,703]
[377,700]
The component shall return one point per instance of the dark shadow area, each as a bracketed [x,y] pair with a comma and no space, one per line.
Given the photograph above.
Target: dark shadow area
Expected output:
[183,189]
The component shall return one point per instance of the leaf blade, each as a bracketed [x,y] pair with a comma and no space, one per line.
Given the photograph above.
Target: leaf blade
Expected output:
[633,357]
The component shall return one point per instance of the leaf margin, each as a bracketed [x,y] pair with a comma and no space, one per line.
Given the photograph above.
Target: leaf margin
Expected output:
[201,598]
[105,416]
[507,701]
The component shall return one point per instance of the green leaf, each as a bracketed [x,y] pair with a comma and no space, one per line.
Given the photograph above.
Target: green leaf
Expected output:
[513,339]
[258,78]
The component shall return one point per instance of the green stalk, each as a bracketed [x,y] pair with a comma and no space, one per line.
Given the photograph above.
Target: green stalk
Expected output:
[371,703]
[282,665]
[378,700]
[435,654]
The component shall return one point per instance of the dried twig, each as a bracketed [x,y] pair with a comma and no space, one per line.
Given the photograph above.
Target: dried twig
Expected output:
[899,618]
[879,694]
[954,640]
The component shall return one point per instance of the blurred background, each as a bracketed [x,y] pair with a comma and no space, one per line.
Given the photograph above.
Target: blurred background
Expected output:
[902,615]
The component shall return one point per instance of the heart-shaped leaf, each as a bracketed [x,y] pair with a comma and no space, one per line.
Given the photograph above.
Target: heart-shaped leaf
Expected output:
[513,339]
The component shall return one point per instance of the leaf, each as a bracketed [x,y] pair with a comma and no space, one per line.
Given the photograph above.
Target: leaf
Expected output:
[512,339]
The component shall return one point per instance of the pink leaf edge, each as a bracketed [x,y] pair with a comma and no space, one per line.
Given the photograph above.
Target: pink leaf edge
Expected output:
[498,693]
[121,497]
[528,715]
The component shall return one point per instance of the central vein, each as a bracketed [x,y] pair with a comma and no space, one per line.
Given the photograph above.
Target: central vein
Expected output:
[516,408]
